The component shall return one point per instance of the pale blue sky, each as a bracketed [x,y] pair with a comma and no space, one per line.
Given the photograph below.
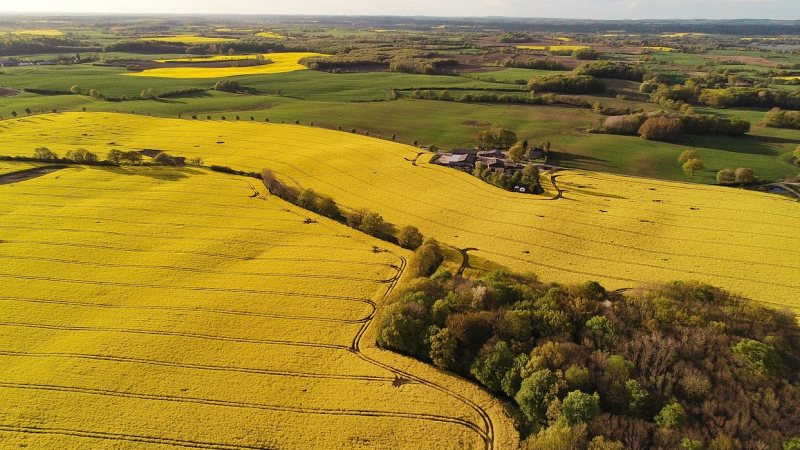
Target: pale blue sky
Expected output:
[585,9]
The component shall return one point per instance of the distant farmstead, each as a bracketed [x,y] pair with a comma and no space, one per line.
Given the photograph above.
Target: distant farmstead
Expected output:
[496,161]
[461,159]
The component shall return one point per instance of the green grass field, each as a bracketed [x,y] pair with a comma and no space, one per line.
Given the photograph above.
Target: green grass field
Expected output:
[338,100]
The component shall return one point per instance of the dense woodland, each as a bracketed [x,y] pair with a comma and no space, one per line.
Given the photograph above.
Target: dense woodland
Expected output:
[666,366]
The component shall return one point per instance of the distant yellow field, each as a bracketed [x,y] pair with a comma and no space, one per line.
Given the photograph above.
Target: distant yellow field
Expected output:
[553,47]
[160,308]
[270,34]
[620,231]
[673,35]
[661,49]
[281,63]
[796,77]
[38,32]
[565,39]
[188,39]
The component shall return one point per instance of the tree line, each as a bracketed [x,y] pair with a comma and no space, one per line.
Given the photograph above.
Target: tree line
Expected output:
[361,219]
[670,128]
[113,158]
[675,365]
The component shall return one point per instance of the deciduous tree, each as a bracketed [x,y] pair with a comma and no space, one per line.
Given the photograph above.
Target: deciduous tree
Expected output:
[745,175]
[687,155]
[693,165]
[726,176]
[579,407]
[410,237]
[44,153]
[536,393]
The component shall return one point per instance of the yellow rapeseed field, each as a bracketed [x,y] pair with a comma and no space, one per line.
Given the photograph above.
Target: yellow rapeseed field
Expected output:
[552,47]
[178,307]
[661,49]
[51,33]
[621,231]
[270,34]
[674,35]
[281,63]
[188,39]
[7,167]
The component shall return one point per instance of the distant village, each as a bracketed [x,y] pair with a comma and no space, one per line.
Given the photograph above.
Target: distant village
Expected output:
[497,161]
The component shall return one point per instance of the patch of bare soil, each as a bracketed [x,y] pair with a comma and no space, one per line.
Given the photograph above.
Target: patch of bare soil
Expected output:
[6,92]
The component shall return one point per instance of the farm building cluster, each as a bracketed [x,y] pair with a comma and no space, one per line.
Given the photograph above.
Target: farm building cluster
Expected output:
[495,160]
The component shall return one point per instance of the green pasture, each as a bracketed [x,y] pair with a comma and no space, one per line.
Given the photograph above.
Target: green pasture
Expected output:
[363,101]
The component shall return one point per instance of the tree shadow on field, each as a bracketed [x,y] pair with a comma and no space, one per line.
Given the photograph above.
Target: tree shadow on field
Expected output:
[177,98]
[162,173]
[575,160]
[753,145]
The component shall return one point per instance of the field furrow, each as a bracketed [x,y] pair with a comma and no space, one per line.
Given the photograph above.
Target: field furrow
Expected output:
[233,315]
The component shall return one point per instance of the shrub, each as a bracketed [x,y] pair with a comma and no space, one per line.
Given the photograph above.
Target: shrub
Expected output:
[410,237]
[164,159]
[726,176]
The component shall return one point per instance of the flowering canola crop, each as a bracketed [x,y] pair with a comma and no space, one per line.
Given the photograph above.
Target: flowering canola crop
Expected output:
[281,63]
[621,231]
[178,307]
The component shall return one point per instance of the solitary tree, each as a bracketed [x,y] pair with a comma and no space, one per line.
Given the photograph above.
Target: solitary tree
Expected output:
[693,165]
[14,114]
[75,89]
[28,111]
